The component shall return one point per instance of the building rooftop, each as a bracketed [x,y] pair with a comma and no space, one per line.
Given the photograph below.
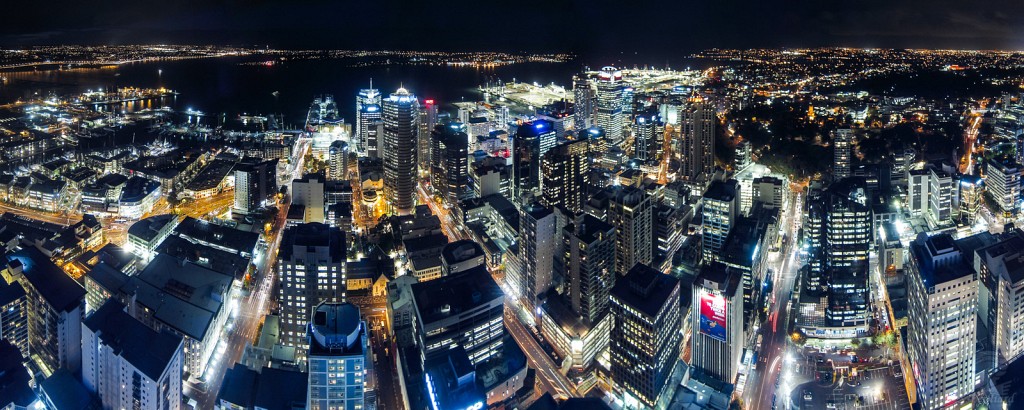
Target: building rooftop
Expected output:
[453,295]
[281,389]
[181,294]
[452,383]
[222,236]
[719,276]
[149,228]
[939,259]
[65,392]
[461,250]
[221,261]
[60,290]
[645,289]
[148,350]
[312,234]
[336,330]
[10,292]
[239,385]
[722,190]
[14,377]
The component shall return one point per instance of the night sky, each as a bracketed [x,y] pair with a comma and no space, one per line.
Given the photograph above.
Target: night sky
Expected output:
[595,28]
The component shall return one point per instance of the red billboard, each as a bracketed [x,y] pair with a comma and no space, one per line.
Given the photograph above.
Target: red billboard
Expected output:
[713,315]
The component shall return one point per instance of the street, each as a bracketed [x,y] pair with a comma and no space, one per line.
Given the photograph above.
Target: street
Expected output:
[761,383]
[248,314]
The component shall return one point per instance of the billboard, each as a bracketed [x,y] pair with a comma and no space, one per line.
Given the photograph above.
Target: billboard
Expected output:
[712,315]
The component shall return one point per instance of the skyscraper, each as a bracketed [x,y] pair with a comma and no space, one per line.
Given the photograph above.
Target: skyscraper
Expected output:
[648,137]
[943,300]
[645,336]
[368,110]
[609,103]
[401,114]
[463,310]
[1004,185]
[630,211]
[337,161]
[373,138]
[536,250]
[449,162]
[697,123]
[128,365]
[839,231]
[14,315]
[717,322]
[531,141]
[340,367]
[589,258]
[255,181]
[311,262]
[842,150]
[583,101]
[56,303]
[308,192]
[565,171]
[720,210]
[971,198]
[427,121]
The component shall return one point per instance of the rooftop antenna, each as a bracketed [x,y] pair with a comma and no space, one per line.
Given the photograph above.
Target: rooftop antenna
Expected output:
[371,83]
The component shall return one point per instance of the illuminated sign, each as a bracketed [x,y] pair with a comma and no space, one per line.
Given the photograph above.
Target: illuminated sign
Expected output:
[428,102]
[713,315]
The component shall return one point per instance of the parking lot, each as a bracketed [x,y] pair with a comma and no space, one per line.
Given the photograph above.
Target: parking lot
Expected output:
[834,380]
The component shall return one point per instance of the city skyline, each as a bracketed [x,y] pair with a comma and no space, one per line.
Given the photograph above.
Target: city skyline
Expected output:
[733,205]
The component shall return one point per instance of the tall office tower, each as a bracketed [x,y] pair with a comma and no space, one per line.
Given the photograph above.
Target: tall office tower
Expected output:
[309,193]
[340,365]
[848,224]
[839,230]
[536,250]
[255,182]
[630,211]
[721,208]
[373,138]
[842,151]
[56,303]
[589,259]
[648,137]
[311,265]
[337,161]
[972,196]
[463,310]
[628,93]
[769,191]
[565,171]
[401,114]
[743,155]
[14,315]
[368,111]
[449,162]
[427,121]
[645,336]
[531,141]
[127,364]
[942,291]
[717,321]
[930,193]
[1003,184]
[1000,266]
[583,99]
[608,112]
[814,228]
[697,123]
